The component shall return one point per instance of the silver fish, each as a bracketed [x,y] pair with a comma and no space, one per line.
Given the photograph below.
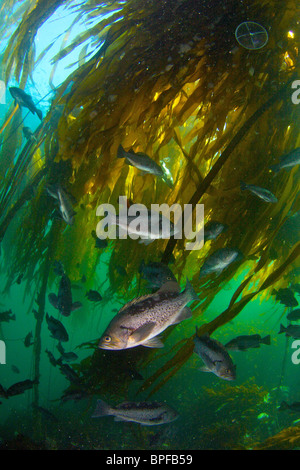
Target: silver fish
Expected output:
[65,205]
[219,260]
[148,226]
[262,193]
[147,413]
[142,319]
[215,357]
[213,229]
[287,161]
[141,161]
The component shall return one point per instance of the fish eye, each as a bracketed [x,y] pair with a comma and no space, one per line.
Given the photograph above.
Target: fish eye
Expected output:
[107,339]
[169,278]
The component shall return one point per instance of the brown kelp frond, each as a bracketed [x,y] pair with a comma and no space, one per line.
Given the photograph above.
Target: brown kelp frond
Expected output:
[18,51]
[286,439]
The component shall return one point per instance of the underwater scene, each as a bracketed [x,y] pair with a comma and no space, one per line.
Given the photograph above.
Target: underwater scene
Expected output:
[149,225]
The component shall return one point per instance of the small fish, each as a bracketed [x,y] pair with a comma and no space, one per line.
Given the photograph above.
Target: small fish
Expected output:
[23,99]
[140,321]
[244,342]
[63,301]
[262,193]
[147,413]
[141,161]
[294,315]
[57,329]
[219,261]
[100,244]
[285,297]
[294,407]
[93,296]
[64,202]
[19,278]
[21,387]
[76,395]
[66,356]
[287,161]
[156,273]
[290,330]
[15,369]
[28,134]
[58,268]
[69,373]
[52,359]
[213,229]
[215,357]
[7,316]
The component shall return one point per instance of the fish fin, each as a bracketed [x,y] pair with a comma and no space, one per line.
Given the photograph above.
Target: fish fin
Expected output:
[76,306]
[39,113]
[170,286]
[266,340]
[153,343]
[53,299]
[282,328]
[204,369]
[121,152]
[190,290]
[183,315]
[118,418]
[142,332]
[146,241]
[102,409]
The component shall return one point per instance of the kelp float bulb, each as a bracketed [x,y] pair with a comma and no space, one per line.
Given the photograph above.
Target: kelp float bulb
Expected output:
[251,35]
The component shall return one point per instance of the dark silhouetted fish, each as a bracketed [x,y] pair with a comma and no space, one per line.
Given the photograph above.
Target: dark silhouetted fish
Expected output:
[66,356]
[294,407]
[24,100]
[285,297]
[294,315]
[93,296]
[290,330]
[156,274]
[63,301]
[27,340]
[57,329]
[20,387]
[7,316]
[244,342]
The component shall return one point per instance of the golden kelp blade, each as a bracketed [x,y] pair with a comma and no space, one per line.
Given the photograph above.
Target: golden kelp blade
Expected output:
[9,118]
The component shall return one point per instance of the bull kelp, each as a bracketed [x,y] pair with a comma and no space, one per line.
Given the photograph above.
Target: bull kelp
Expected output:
[110,104]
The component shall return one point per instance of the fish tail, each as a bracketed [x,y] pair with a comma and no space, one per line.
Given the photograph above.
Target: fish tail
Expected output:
[266,340]
[102,409]
[243,185]
[189,290]
[39,113]
[121,152]
[282,329]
